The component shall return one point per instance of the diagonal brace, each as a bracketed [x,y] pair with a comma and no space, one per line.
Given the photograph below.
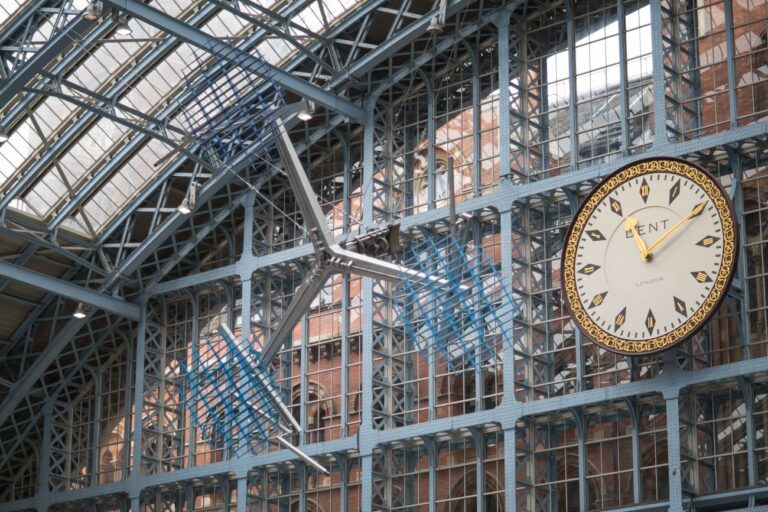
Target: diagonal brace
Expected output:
[196,37]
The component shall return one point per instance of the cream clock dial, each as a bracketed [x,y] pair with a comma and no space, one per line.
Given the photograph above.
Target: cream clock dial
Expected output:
[649,256]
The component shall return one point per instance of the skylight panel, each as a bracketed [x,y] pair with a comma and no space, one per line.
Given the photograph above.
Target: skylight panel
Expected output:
[52,189]
[151,93]
[8,8]
[123,185]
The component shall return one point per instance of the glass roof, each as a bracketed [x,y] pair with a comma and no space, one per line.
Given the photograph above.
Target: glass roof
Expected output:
[105,64]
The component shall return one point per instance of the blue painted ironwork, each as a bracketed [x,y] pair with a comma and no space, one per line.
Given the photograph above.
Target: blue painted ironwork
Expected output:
[463,323]
[232,395]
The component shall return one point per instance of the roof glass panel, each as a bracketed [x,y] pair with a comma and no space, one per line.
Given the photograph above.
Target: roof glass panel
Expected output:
[150,95]
[8,8]
[96,72]
[122,186]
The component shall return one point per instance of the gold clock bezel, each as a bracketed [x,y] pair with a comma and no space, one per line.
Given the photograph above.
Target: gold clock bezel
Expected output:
[714,191]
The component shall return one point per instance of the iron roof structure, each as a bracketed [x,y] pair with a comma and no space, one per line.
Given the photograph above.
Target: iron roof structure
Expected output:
[97,159]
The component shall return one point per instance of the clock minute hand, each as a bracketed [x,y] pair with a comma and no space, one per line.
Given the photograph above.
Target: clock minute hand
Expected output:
[696,210]
[629,225]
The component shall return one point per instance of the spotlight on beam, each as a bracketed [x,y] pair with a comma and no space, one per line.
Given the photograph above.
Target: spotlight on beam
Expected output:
[80,311]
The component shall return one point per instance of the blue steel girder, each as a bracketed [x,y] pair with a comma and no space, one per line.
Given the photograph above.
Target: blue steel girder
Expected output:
[111,95]
[17,30]
[410,33]
[245,60]
[395,43]
[71,134]
[67,289]
[73,377]
[362,13]
[135,259]
[61,40]
[50,365]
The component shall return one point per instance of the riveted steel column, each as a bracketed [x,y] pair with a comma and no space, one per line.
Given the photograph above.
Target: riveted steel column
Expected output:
[366,349]
[44,469]
[429,443]
[477,144]
[303,382]
[730,63]
[623,78]
[246,289]
[503,41]
[572,114]
[96,432]
[193,347]
[659,96]
[673,450]
[138,392]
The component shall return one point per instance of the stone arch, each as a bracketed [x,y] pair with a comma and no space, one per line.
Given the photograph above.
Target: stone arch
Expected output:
[312,506]
[317,413]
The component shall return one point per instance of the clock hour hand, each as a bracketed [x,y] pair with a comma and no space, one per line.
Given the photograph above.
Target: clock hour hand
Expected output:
[696,211]
[629,225]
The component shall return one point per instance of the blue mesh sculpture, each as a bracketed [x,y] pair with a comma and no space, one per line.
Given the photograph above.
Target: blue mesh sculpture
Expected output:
[233,111]
[464,323]
[234,402]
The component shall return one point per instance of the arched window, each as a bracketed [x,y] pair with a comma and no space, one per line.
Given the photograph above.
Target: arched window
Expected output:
[467,486]
[319,410]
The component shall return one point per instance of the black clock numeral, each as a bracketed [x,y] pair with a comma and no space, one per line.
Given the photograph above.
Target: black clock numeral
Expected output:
[645,190]
[679,305]
[707,241]
[674,191]
[620,319]
[588,270]
[698,209]
[615,207]
[650,322]
[595,235]
[701,276]
[599,298]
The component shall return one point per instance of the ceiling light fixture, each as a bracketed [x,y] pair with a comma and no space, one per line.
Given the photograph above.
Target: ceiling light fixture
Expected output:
[307,111]
[124,29]
[189,201]
[80,311]
[93,11]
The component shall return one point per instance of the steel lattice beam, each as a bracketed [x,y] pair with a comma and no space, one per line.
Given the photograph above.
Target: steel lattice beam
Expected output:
[198,38]
[69,290]
[43,57]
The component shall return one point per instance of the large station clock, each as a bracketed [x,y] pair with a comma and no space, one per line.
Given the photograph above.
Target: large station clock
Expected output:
[649,256]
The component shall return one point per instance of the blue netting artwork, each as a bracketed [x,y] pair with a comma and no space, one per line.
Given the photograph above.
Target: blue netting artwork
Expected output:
[465,320]
[231,396]
[232,112]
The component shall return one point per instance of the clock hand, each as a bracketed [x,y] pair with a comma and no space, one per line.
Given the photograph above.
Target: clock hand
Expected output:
[696,210]
[629,225]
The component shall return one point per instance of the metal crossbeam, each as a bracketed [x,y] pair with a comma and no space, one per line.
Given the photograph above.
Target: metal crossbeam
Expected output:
[43,57]
[198,38]
[69,290]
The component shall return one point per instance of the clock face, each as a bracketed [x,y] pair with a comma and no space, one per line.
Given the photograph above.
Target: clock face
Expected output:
[649,256]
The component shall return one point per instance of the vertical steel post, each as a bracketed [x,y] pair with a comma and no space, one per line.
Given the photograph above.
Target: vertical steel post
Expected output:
[138,393]
[673,450]
[623,78]
[502,27]
[44,469]
[659,96]
[573,92]
[242,494]
[96,429]
[730,63]
[366,349]
[246,291]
